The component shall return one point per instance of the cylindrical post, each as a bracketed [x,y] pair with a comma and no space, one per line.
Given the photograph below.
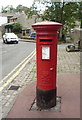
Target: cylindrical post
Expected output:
[46,57]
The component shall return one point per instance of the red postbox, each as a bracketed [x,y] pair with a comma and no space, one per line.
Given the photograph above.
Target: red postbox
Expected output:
[46,61]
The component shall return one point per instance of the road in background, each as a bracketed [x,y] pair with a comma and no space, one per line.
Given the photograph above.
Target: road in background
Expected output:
[13,54]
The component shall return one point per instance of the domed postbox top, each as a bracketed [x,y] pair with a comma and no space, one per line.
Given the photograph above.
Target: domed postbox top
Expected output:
[47,25]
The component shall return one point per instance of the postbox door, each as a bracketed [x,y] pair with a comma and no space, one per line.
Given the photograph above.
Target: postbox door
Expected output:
[46,67]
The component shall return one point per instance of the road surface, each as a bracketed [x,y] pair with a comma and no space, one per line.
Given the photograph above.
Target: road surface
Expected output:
[13,54]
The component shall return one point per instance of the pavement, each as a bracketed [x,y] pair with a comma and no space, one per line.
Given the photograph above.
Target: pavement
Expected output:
[17,99]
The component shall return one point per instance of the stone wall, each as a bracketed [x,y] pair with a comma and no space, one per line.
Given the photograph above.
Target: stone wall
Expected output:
[78,36]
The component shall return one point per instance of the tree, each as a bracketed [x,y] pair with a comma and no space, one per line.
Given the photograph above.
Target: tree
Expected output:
[80,13]
[69,16]
[21,8]
[32,11]
[53,12]
[16,28]
[7,9]
[65,13]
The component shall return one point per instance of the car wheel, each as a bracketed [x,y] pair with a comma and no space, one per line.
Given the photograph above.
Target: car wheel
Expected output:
[3,41]
[70,48]
[6,41]
[16,42]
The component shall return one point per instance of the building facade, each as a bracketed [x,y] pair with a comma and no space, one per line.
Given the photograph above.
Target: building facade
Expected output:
[21,18]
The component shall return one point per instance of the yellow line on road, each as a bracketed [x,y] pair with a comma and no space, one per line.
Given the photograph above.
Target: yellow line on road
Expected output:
[16,67]
[13,76]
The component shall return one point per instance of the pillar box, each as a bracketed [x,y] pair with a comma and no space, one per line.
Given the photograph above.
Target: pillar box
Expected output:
[46,62]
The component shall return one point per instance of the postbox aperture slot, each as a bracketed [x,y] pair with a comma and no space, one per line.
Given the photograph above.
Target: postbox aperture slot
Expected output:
[45,52]
[45,40]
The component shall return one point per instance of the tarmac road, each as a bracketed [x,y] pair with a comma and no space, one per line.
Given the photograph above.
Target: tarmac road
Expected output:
[13,54]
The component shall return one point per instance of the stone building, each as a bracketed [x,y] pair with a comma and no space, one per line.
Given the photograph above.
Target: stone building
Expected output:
[21,18]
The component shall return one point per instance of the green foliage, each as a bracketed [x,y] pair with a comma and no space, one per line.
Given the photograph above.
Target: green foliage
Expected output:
[33,11]
[7,9]
[17,27]
[9,26]
[65,13]
[21,8]
[27,37]
[53,12]
[80,13]
[10,9]
[80,10]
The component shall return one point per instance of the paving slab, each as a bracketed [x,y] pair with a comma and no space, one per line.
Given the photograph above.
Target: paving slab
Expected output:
[69,90]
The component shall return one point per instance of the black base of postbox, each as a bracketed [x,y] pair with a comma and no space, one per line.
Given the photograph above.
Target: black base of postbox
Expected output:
[45,99]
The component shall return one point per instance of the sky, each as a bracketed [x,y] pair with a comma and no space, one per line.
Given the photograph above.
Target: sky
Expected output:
[15,3]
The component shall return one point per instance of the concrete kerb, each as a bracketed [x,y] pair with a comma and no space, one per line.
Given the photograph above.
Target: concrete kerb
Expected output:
[27,40]
[22,80]
[15,72]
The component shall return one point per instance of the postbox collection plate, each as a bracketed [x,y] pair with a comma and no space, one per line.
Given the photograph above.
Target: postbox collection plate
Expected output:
[45,52]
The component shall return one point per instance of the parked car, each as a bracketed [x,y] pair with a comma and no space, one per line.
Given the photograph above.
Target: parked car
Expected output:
[10,38]
[33,34]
